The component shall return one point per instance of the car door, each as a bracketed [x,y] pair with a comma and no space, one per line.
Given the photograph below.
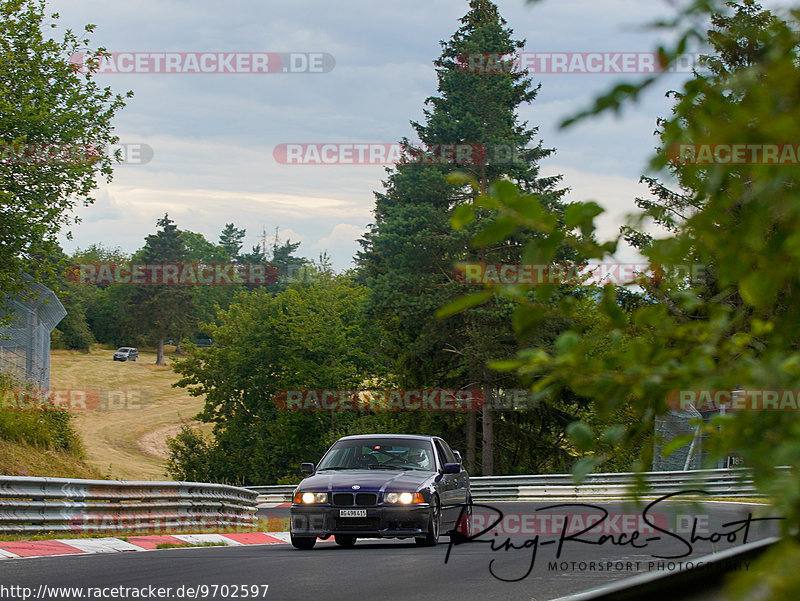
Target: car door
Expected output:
[461,479]
[449,485]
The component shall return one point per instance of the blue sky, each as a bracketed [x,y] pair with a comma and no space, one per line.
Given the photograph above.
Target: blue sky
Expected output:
[213,134]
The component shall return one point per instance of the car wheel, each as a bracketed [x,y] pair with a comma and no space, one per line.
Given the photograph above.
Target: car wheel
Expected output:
[303,542]
[434,526]
[345,540]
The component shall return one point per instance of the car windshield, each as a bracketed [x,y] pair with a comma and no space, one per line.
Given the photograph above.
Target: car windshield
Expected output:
[379,453]
[124,349]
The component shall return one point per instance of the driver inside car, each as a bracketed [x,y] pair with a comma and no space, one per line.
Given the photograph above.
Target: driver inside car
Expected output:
[419,458]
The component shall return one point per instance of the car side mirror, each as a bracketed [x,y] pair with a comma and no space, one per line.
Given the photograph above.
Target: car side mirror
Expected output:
[452,468]
[458,456]
[307,468]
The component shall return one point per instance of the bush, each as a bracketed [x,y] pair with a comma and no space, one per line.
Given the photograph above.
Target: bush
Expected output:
[73,334]
[190,456]
[48,428]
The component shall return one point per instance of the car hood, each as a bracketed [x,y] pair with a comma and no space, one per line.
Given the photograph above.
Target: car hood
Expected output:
[368,480]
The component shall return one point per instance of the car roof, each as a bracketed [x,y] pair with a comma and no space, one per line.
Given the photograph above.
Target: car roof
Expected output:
[396,436]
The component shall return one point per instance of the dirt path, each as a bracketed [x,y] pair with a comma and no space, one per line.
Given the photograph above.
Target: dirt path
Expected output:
[155,443]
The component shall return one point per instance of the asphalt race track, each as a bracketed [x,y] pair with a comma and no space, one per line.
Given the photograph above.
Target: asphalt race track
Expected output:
[399,570]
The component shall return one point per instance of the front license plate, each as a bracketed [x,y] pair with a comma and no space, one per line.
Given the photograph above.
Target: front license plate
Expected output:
[352,513]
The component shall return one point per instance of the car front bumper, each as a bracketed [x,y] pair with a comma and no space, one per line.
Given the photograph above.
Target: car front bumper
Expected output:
[381,521]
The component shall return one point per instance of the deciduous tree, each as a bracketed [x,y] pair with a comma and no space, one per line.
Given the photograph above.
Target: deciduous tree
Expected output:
[55,127]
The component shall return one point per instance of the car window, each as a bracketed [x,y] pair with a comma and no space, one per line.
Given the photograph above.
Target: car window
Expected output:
[379,454]
[451,457]
[445,455]
[341,456]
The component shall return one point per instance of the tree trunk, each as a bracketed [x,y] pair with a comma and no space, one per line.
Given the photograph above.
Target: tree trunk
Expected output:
[472,423]
[487,452]
[488,442]
[160,353]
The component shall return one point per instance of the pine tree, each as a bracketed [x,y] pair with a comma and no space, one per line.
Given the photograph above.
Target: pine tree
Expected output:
[231,240]
[283,259]
[410,252]
[163,310]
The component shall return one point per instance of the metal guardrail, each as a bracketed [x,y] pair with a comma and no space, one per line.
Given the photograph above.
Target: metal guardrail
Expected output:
[716,482]
[279,493]
[735,482]
[65,505]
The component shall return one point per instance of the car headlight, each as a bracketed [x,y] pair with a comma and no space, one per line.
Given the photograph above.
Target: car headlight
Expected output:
[310,497]
[404,498]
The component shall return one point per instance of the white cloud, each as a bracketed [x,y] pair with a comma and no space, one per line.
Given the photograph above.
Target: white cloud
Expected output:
[342,240]
[615,194]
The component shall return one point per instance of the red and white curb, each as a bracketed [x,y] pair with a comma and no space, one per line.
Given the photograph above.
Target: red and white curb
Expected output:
[77,546]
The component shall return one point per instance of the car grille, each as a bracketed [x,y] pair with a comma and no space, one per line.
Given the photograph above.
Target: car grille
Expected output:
[361,499]
[366,498]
